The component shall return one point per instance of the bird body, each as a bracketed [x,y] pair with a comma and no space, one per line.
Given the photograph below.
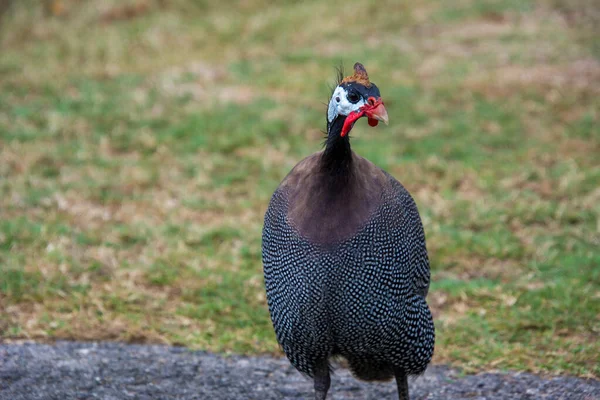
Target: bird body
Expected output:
[345,263]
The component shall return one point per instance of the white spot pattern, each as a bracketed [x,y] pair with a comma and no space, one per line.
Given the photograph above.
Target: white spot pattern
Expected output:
[363,298]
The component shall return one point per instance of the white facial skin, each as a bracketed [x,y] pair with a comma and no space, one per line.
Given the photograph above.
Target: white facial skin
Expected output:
[340,105]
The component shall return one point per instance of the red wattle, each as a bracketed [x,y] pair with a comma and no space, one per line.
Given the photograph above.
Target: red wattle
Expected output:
[373,122]
[350,120]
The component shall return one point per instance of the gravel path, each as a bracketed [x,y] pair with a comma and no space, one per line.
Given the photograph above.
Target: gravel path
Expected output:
[111,371]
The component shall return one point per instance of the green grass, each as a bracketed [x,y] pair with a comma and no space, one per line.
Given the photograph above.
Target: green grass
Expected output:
[138,155]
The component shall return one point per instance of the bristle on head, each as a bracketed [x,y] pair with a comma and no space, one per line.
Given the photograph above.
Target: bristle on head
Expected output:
[360,76]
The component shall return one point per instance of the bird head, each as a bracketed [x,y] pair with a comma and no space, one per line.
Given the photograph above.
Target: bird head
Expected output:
[355,97]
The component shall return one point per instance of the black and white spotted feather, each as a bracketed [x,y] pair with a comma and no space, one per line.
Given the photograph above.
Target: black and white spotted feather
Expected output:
[362,298]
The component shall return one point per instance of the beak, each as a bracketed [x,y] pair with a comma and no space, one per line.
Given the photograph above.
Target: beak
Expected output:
[374,110]
[378,113]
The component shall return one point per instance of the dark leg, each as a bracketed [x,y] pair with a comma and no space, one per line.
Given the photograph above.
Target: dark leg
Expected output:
[402,382]
[322,383]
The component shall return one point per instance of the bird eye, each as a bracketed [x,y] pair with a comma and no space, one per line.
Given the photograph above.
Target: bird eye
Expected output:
[353,97]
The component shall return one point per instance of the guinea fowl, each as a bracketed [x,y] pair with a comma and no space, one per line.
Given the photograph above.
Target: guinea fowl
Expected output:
[345,262]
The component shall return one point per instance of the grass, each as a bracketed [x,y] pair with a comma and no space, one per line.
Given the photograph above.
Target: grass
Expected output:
[139,150]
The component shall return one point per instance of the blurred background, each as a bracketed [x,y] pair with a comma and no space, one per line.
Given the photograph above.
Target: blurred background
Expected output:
[140,142]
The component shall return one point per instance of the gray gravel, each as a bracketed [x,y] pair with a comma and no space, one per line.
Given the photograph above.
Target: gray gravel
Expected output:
[112,371]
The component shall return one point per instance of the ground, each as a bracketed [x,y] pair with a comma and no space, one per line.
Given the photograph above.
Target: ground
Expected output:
[70,371]
[140,142]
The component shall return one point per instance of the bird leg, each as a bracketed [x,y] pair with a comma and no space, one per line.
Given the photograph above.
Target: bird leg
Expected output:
[402,382]
[322,383]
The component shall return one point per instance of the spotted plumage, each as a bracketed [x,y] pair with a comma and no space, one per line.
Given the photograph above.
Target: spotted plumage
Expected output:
[346,267]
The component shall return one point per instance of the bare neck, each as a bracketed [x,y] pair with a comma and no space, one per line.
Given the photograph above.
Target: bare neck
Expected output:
[336,161]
